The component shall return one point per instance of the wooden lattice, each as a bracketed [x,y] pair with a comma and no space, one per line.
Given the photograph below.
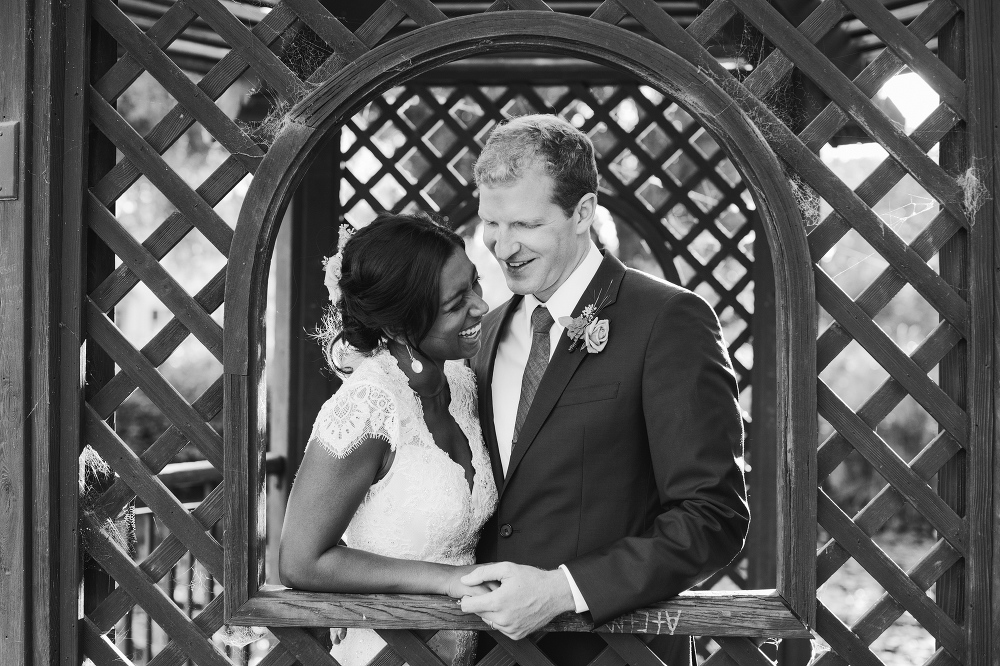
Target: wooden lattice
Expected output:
[252,51]
[415,148]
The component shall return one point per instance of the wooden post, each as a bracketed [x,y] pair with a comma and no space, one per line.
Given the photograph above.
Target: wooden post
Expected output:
[953,372]
[43,46]
[15,313]
[99,263]
[982,581]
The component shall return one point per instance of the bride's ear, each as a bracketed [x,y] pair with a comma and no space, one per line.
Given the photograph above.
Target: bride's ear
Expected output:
[398,338]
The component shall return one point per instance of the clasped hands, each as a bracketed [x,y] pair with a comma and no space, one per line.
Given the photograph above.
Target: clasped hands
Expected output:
[516,600]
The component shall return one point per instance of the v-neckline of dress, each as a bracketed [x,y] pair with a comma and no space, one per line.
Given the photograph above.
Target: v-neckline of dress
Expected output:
[426,431]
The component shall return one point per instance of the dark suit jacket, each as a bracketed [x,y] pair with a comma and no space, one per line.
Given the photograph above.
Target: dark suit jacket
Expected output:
[625,469]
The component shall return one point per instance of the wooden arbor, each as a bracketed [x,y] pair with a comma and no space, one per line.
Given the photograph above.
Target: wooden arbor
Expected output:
[961,400]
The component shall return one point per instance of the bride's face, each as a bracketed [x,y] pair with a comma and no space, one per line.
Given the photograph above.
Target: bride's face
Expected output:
[457,331]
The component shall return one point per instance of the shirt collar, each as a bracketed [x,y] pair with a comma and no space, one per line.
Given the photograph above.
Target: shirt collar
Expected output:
[569,293]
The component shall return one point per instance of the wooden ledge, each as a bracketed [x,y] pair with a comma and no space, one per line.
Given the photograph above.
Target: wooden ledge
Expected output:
[758,613]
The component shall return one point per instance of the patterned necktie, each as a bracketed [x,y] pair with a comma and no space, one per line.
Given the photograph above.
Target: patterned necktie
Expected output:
[538,359]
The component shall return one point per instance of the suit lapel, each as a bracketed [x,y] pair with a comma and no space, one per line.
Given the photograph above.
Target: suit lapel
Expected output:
[564,363]
[491,342]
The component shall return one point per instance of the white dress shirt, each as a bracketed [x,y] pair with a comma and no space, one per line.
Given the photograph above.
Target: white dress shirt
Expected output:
[512,356]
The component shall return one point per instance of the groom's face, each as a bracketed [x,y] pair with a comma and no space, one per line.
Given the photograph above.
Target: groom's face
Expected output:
[535,242]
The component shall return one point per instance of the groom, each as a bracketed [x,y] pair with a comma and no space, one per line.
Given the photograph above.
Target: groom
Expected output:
[615,456]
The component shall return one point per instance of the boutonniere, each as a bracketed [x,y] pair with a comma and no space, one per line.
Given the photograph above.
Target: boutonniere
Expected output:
[587,331]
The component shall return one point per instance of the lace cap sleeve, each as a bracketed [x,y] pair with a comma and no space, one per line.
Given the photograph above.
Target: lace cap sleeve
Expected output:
[353,415]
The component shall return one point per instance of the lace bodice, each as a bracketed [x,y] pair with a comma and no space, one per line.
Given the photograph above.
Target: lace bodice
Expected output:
[423,508]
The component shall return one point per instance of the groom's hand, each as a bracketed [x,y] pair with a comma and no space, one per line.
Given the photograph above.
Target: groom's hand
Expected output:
[526,600]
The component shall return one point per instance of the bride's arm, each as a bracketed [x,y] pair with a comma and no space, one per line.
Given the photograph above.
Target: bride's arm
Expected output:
[326,493]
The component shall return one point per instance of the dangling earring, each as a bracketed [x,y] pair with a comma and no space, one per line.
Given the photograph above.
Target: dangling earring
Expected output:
[415,365]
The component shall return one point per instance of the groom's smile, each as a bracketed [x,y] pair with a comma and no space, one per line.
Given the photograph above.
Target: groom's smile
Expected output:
[537,244]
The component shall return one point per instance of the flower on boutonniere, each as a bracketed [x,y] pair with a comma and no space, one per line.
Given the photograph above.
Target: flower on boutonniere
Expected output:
[596,335]
[586,330]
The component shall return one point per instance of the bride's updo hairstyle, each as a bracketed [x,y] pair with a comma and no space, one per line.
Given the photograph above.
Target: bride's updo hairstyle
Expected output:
[390,284]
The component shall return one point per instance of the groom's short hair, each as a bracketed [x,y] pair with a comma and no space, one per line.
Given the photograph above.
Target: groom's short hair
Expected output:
[565,152]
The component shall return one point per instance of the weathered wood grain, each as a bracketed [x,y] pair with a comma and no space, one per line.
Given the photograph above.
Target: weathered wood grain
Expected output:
[777,65]
[808,165]
[884,399]
[610,12]
[840,89]
[415,651]
[377,26]
[892,467]
[127,69]
[159,173]
[156,603]
[15,314]
[884,288]
[886,610]
[255,52]
[160,391]
[877,343]
[174,81]
[280,656]
[209,621]
[173,230]
[99,367]
[154,276]
[843,640]
[98,648]
[950,591]
[236,474]
[631,650]
[163,450]
[881,181]
[710,21]
[719,658]
[743,651]
[153,492]
[177,120]
[890,576]
[885,65]
[983,498]
[424,12]
[758,613]
[158,563]
[305,648]
[64,648]
[159,348]
[884,505]
[912,51]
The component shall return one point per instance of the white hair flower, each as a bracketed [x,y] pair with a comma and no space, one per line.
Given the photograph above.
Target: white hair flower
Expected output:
[333,265]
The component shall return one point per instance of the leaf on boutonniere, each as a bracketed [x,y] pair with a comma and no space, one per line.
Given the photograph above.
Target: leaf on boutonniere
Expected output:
[574,325]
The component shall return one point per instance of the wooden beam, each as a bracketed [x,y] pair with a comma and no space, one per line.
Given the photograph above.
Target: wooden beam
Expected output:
[15,313]
[982,581]
[71,254]
[44,51]
[760,613]
[953,371]
[99,263]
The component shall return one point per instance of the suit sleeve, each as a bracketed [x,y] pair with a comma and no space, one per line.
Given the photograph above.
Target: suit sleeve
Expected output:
[695,433]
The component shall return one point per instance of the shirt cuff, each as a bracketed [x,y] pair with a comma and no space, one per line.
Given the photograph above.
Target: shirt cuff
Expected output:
[581,603]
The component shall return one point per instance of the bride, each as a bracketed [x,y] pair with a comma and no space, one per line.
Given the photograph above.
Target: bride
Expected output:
[395,483]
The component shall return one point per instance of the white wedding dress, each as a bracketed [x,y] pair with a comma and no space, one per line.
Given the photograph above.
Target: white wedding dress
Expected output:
[423,508]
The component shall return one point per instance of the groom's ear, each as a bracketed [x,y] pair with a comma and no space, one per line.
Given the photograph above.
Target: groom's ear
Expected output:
[586,209]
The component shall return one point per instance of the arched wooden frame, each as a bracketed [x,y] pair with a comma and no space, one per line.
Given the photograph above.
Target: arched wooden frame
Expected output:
[788,610]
